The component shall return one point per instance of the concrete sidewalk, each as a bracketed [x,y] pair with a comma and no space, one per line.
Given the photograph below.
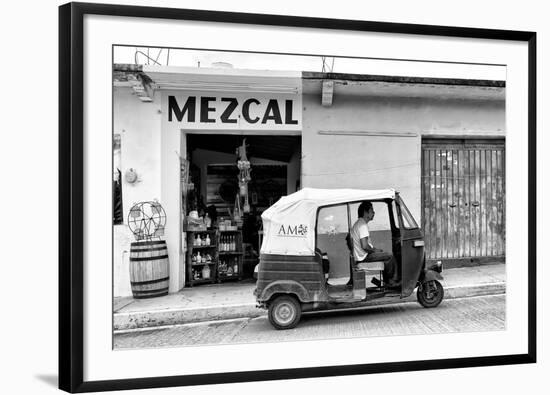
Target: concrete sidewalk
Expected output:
[235,300]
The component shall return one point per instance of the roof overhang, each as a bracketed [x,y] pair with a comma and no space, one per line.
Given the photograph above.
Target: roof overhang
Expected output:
[396,86]
[219,79]
[145,79]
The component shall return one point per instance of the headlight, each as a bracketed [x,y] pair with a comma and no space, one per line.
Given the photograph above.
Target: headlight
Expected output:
[436,267]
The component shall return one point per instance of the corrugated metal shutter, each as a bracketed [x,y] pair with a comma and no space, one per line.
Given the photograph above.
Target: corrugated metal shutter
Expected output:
[463,193]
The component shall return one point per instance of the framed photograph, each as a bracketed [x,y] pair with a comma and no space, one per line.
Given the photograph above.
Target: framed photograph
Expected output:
[239,188]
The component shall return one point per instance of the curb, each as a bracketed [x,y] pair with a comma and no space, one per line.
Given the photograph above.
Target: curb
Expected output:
[151,319]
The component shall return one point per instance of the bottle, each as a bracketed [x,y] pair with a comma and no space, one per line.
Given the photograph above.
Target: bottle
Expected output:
[207,240]
[206,272]
[233,244]
[197,241]
[198,257]
[236,267]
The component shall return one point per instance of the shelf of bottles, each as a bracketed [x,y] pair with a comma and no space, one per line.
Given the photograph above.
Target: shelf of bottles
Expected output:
[230,255]
[202,257]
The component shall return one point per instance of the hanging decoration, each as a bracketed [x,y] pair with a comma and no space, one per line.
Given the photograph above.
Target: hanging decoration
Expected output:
[243,165]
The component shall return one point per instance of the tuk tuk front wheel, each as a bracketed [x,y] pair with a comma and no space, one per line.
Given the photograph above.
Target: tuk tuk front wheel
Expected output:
[430,293]
[284,312]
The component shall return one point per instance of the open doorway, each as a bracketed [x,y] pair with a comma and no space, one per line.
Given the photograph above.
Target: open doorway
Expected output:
[214,174]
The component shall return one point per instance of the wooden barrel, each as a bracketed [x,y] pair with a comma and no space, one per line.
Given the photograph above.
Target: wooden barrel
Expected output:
[149,269]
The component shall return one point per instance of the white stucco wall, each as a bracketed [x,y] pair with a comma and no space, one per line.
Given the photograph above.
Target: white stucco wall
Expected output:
[139,125]
[172,149]
[122,237]
[367,161]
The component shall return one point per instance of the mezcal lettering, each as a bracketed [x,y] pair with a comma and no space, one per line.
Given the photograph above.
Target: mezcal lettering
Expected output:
[227,110]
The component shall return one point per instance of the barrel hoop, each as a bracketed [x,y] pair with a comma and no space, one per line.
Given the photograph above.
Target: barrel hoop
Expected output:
[147,258]
[149,249]
[150,291]
[147,243]
[159,280]
[150,296]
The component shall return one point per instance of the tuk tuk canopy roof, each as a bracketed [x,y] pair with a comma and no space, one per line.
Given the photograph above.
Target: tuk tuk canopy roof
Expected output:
[289,225]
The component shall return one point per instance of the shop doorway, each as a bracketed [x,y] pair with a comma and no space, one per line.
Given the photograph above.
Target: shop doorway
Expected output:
[214,175]
[463,191]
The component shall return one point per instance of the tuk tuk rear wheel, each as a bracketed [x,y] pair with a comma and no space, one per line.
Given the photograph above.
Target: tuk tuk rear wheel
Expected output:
[284,312]
[430,293]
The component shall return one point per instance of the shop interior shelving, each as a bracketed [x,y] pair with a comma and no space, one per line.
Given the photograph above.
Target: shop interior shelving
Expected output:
[192,250]
[227,259]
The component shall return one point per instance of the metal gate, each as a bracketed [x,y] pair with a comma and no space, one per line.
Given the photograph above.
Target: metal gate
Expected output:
[463,194]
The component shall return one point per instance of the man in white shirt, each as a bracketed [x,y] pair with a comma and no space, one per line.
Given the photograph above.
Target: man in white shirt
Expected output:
[364,251]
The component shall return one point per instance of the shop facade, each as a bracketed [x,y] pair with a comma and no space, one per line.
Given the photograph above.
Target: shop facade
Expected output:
[325,130]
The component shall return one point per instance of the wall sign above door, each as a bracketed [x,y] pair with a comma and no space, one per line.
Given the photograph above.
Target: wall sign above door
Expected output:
[234,111]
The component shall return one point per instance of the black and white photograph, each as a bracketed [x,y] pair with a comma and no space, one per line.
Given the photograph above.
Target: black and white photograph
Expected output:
[262,197]
[250,197]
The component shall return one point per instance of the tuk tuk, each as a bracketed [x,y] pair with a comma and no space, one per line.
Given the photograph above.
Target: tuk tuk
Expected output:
[307,263]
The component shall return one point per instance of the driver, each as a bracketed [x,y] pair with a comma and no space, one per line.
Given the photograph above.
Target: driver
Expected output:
[364,251]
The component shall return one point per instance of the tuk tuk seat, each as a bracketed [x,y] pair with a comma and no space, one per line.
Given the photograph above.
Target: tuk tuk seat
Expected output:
[377,266]
[374,267]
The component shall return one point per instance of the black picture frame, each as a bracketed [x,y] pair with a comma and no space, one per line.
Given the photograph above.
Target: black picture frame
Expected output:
[71,195]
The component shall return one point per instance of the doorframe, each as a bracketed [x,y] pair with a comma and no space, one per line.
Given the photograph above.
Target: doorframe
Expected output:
[183,144]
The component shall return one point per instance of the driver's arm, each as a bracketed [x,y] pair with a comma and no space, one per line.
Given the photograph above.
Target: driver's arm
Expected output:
[365,245]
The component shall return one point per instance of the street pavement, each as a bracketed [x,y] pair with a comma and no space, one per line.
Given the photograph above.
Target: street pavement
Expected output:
[236,300]
[473,314]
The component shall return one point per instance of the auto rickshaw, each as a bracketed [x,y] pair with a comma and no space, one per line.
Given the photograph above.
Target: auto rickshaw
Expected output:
[306,263]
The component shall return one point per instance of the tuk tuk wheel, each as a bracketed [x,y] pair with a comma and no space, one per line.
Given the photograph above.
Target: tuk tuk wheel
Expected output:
[430,293]
[284,312]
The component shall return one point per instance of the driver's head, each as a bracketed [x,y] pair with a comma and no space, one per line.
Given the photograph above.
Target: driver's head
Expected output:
[365,211]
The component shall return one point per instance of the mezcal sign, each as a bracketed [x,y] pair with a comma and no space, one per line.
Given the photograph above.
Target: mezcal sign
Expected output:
[235,111]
